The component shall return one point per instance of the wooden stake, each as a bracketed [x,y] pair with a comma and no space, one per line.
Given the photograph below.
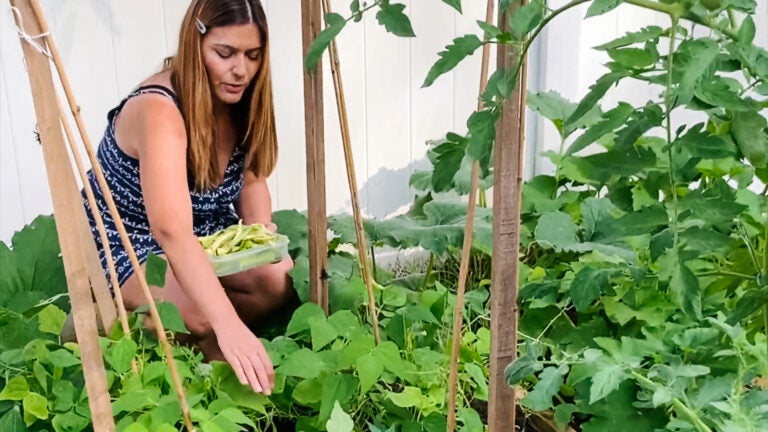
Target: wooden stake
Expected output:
[453,378]
[154,315]
[68,212]
[315,140]
[362,248]
[93,263]
[508,178]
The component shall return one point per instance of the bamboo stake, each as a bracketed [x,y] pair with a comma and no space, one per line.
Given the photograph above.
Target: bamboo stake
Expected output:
[154,315]
[453,379]
[68,212]
[312,24]
[100,224]
[362,248]
[508,176]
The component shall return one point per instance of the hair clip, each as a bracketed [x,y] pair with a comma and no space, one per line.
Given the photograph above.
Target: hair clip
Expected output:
[200,26]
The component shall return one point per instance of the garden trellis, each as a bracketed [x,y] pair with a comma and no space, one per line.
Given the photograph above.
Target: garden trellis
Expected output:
[85,281]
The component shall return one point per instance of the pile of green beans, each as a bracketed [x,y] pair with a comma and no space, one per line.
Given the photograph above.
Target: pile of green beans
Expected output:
[236,238]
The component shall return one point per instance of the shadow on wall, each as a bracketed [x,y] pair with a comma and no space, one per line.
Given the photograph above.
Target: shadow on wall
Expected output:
[387,192]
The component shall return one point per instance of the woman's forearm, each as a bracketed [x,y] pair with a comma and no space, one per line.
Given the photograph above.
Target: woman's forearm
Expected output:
[194,273]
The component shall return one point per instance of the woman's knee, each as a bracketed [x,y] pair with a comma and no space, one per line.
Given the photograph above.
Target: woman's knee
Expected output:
[270,280]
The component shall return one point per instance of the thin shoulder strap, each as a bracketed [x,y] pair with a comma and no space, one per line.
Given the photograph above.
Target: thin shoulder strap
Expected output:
[156,89]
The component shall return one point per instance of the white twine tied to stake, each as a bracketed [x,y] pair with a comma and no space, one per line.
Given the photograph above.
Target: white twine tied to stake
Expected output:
[31,39]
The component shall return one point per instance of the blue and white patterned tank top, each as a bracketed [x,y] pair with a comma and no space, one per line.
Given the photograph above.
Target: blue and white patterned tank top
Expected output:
[212,210]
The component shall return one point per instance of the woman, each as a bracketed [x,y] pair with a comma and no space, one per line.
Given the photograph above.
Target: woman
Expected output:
[187,154]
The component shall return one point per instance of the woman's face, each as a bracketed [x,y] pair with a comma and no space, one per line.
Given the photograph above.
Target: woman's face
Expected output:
[232,56]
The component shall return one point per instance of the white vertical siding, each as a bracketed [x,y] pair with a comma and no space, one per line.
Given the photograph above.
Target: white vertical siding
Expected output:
[106,52]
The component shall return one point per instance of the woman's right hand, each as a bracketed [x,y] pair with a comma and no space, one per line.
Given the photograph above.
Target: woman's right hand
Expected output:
[247,356]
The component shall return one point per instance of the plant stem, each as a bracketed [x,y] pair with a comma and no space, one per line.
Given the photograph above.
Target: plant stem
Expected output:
[668,126]
[428,273]
[725,273]
[765,327]
[373,264]
[679,406]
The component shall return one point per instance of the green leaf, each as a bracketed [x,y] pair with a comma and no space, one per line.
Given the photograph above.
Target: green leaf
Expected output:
[155,272]
[35,408]
[552,106]
[556,229]
[645,34]
[524,366]
[303,364]
[611,120]
[550,380]
[599,7]
[340,421]
[393,19]
[596,92]
[121,353]
[525,19]
[588,285]
[300,321]
[747,31]
[633,58]
[448,157]
[171,318]
[51,320]
[695,59]
[409,397]
[748,130]
[337,388]
[471,421]
[63,359]
[369,369]
[308,392]
[334,24]
[701,144]
[12,421]
[321,332]
[453,54]
[482,133]
[15,389]
[456,4]
[490,30]
[136,400]
[607,379]
[684,287]
[70,422]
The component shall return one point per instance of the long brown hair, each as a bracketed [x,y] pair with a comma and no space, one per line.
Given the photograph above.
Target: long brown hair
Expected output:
[253,115]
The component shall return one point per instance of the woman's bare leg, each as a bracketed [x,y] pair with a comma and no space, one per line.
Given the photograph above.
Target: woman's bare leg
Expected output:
[256,292]
[197,324]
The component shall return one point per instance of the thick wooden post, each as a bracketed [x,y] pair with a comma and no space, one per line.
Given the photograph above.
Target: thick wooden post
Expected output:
[508,176]
[69,214]
[312,24]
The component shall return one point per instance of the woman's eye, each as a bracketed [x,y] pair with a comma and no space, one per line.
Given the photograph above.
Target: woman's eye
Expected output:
[255,57]
[224,55]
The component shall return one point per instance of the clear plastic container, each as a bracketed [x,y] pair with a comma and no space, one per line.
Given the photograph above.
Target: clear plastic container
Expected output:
[251,257]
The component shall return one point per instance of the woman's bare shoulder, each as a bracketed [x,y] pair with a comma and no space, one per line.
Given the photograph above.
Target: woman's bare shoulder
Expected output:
[162,78]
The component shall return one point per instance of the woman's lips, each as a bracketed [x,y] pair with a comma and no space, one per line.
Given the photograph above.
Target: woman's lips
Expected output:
[233,88]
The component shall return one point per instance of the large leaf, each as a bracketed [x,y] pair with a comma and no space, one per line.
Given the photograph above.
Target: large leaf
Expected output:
[684,287]
[32,269]
[588,285]
[599,7]
[334,24]
[456,4]
[550,380]
[596,92]
[645,34]
[482,132]
[748,130]
[556,229]
[610,121]
[525,19]
[393,19]
[695,59]
[453,54]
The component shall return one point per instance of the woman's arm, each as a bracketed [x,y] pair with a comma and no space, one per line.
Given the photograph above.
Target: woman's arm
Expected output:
[153,127]
[255,202]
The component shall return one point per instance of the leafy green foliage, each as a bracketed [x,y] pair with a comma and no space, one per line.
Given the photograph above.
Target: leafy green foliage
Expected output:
[454,53]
